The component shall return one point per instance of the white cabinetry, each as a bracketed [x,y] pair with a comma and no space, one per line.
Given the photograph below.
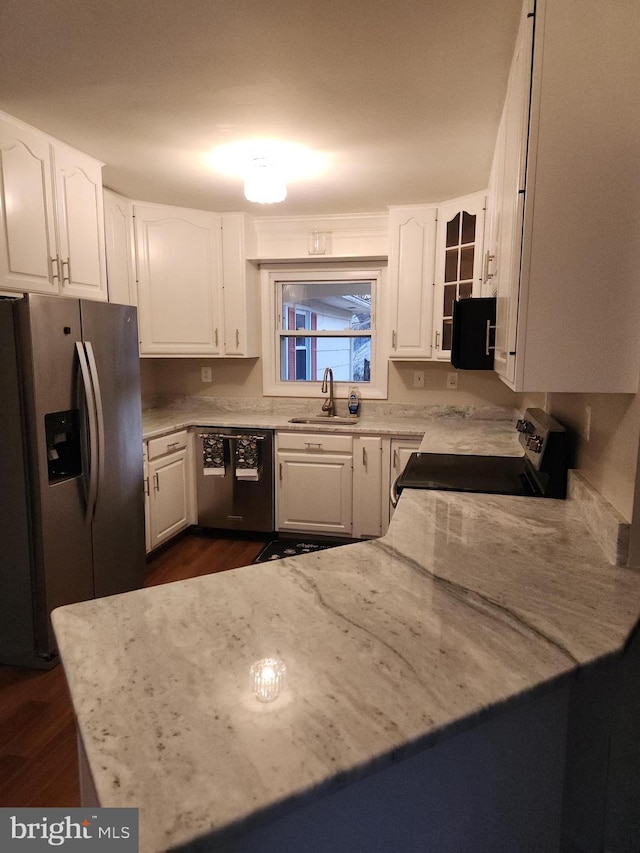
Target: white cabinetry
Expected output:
[241,295]
[412,233]
[367,486]
[169,487]
[118,232]
[566,280]
[314,483]
[458,269]
[179,270]
[51,212]
[399,450]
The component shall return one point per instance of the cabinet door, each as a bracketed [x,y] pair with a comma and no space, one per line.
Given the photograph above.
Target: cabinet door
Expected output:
[147,501]
[80,221]
[367,486]
[28,256]
[178,269]
[509,168]
[118,232]
[411,270]
[169,500]
[241,296]
[458,264]
[400,451]
[314,493]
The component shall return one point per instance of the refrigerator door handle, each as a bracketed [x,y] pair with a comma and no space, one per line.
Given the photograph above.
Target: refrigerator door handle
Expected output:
[93,368]
[92,461]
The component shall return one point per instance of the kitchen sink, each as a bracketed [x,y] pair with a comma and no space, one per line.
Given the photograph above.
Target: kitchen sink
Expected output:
[323,419]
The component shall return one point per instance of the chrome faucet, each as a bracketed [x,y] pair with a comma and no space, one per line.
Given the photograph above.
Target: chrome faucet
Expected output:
[329,405]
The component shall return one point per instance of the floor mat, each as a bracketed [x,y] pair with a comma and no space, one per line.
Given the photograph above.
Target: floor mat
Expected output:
[280,548]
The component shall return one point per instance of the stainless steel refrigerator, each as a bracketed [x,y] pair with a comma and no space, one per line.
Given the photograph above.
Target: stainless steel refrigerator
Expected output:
[71,482]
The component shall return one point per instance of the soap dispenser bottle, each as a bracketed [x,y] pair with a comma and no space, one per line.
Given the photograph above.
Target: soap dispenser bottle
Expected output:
[354,402]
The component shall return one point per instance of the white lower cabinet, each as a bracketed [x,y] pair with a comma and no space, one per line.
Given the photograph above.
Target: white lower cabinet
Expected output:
[367,486]
[337,484]
[314,483]
[399,450]
[169,487]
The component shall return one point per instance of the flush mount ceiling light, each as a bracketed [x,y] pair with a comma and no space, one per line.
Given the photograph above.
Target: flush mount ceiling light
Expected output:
[266,166]
[264,182]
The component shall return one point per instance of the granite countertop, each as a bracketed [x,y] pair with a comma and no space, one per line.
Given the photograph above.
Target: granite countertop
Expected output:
[444,434]
[469,604]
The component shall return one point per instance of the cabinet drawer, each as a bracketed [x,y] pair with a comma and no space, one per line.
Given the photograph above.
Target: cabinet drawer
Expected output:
[167,444]
[314,442]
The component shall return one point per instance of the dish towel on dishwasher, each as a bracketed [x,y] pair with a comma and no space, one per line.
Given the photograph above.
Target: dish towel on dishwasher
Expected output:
[213,455]
[247,458]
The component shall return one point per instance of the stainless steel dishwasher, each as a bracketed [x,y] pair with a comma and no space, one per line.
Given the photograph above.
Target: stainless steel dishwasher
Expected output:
[234,476]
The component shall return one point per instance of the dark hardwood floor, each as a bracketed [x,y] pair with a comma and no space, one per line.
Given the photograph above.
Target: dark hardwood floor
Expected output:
[38,753]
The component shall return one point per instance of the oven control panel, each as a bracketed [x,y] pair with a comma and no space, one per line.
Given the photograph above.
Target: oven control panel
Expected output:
[543,439]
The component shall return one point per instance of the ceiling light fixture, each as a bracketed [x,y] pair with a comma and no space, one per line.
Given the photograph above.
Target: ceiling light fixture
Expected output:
[264,182]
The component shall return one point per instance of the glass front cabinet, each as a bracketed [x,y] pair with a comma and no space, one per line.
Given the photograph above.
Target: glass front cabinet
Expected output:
[458,269]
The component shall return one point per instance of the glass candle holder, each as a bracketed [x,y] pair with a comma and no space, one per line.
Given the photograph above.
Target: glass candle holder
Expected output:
[267,678]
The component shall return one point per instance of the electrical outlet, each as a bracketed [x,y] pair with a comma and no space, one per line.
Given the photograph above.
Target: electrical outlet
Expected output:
[418,378]
[452,380]
[586,425]
[205,374]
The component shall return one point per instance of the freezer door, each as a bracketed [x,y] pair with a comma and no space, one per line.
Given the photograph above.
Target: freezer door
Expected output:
[110,335]
[48,328]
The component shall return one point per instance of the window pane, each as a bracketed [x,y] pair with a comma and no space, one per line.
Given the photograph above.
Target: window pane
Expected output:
[453,231]
[327,305]
[449,298]
[466,263]
[451,265]
[466,288]
[349,358]
[468,227]
[446,334]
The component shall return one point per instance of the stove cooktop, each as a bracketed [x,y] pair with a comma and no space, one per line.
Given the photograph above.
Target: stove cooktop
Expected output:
[540,472]
[498,475]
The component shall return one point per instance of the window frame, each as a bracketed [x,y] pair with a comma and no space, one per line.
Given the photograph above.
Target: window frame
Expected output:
[271,297]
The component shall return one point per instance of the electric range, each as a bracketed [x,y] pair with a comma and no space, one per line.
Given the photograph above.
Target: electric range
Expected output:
[541,471]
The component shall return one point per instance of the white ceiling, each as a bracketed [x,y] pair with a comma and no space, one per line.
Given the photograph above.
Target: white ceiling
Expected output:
[401,98]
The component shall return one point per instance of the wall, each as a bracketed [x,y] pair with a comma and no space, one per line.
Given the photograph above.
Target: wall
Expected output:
[243,378]
[610,456]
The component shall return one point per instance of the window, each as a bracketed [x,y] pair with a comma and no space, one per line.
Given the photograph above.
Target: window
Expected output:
[322,318]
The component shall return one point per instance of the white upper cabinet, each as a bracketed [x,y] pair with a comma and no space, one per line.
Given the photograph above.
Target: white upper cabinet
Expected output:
[52,234]
[79,205]
[566,278]
[412,233]
[240,281]
[458,269]
[118,233]
[178,257]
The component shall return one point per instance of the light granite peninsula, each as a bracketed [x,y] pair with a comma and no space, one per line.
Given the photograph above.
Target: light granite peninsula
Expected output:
[439,684]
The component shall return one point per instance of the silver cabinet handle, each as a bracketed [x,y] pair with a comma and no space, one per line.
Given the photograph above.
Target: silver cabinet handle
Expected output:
[156,482]
[310,444]
[487,348]
[66,277]
[395,457]
[55,275]
[364,456]
[437,340]
[146,486]
[216,337]
[237,338]
[393,492]
[173,444]
[280,472]
[393,339]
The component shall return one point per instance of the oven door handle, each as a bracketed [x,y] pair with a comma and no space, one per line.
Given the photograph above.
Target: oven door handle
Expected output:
[393,491]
